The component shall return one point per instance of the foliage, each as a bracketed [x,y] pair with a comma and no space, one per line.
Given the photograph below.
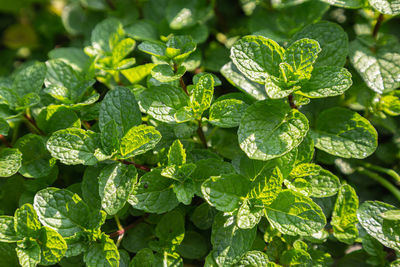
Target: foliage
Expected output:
[200,133]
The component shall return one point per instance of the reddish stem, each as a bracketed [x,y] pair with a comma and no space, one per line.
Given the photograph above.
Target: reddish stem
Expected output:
[5,141]
[291,102]
[125,229]
[139,166]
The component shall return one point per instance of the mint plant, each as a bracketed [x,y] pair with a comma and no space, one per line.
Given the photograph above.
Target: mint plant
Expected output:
[200,133]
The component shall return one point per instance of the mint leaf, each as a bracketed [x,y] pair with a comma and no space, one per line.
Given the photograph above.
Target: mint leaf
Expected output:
[90,187]
[10,161]
[257,57]
[143,258]
[74,146]
[164,73]
[249,213]
[227,113]
[53,246]
[378,68]
[225,192]
[30,80]
[344,133]
[200,99]
[7,231]
[385,231]
[176,154]
[295,214]
[344,216]
[171,228]
[138,140]
[26,222]
[116,182]
[103,253]
[326,81]
[266,184]
[153,193]
[386,7]
[55,117]
[138,238]
[301,56]
[104,33]
[28,253]
[270,129]
[254,258]
[64,211]
[162,102]
[392,215]
[334,46]
[229,241]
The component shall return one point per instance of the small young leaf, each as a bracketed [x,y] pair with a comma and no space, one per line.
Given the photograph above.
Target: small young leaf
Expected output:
[7,231]
[202,94]
[164,73]
[26,222]
[249,213]
[28,253]
[103,253]
[392,215]
[176,154]
[138,140]
[53,246]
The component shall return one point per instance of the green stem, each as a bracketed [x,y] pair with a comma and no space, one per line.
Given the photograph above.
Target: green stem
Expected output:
[201,135]
[118,222]
[32,125]
[380,169]
[385,183]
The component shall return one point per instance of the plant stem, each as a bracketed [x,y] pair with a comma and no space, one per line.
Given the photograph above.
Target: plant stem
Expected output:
[32,124]
[139,166]
[385,183]
[120,228]
[378,24]
[291,102]
[380,169]
[201,135]
[124,230]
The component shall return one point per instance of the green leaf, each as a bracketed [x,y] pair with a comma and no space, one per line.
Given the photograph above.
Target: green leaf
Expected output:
[257,57]
[390,104]
[153,193]
[53,246]
[120,51]
[346,3]
[65,212]
[36,160]
[254,258]
[225,192]
[344,133]
[326,81]
[171,228]
[227,113]
[55,117]
[26,222]
[28,253]
[181,14]
[344,216]
[334,46]
[116,182]
[200,99]
[266,184]
[295,214]
[296,257]
[301,56]
[319,182]
[250,213]
[10,161]
[120,106]
[164,73]
[176,154]
[137,73]
[7,231]
[144,258]
[103,253]
[193,246]
[4,127]
[73,56]
[203,216]
[90,187]
[162,102]
[386,6]
[138,237]
[105,32]
[237,79]
[30,79]
[229,241]
[138,140]
[380,67]
[392,215]
[270,129]
[385,231]
[74,146]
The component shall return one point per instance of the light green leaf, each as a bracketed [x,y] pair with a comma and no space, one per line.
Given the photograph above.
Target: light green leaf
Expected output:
[227,113]
[344,133]
[105,32]
[36,160]
[142,30]
[26,222]
[390,104]
[28,253]
[53,246]
[182,14]
[55,117]
[176,154]
[266,184]
[200,99]
[138,140]
[225,192]
[257,57]
[344,216]
[153,193]
[254,258]
[296,257]
[320,182]
[229,241]
[270,129]
[120,106]
[389,7]
[7,231]
[116,182]
[335,45]
[103,253]
[237,79]
[249,213]
[121,50]
[379,68]
[74,146]
[301,56]
[326,81]
[164,73]
[392,215]
[295,214]
[171,228]
[162,102]
[137,73]
[10,161]
[65,212]
[385,231]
